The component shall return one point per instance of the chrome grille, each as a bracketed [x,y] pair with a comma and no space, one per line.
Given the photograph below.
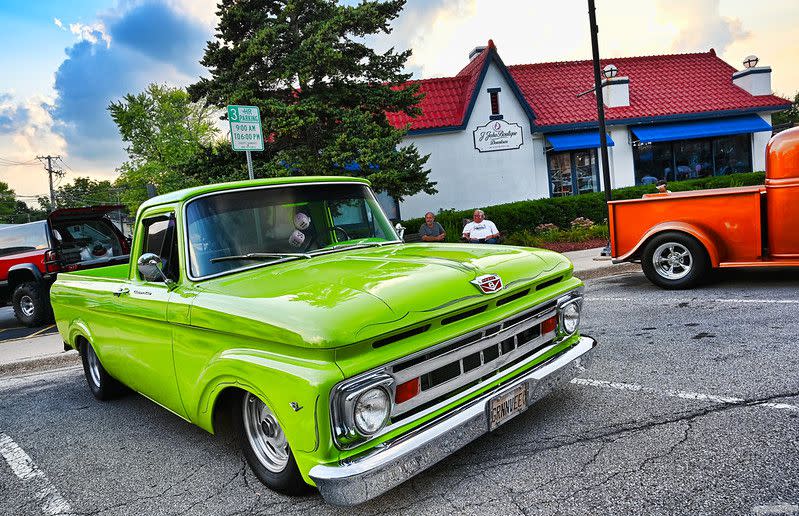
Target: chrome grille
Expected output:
[449,367]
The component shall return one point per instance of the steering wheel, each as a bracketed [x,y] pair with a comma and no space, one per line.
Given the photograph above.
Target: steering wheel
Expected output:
[346,235]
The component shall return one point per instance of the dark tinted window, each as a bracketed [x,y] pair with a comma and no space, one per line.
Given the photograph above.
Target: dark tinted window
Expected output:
[160,238]
[23,238]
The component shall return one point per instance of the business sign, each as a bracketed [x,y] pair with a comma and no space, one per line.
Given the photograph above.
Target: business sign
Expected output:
[498,135]
[245,128]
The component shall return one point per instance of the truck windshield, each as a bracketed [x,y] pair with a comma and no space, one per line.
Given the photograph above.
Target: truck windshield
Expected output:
[23,238]
[280,220]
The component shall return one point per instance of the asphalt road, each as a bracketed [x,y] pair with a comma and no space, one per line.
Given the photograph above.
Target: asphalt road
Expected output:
[11,328]
[691,407]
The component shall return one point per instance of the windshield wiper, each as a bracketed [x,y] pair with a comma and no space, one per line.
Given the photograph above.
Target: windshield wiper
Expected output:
[260,256]
[342,247]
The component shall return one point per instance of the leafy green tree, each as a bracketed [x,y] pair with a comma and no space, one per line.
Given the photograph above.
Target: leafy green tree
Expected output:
[84,191]
[789,116]
[322,91]
[8,203]
[164,130]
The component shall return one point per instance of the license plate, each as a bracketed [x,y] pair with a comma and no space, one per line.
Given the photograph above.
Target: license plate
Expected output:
[506,406]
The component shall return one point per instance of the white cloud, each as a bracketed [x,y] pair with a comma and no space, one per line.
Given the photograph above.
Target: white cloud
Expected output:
[59,24]
[701,25]
[91,33]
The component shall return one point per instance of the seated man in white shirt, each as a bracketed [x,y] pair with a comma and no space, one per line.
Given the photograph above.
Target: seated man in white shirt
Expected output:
[480,230]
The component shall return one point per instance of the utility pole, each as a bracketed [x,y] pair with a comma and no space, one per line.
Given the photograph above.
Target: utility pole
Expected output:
[50,172]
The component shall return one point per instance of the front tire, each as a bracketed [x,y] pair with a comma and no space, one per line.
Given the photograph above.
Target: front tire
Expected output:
[675,261]
[265,447]
[31,305]
[102,385]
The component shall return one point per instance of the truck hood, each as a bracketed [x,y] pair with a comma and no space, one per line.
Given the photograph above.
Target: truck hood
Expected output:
[336,299]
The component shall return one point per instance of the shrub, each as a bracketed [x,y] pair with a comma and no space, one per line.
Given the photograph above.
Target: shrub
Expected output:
[520,216]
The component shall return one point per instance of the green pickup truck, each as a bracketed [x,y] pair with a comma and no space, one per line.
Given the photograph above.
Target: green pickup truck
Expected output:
[347,359]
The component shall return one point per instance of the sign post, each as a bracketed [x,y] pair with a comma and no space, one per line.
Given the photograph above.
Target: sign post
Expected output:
[245,131]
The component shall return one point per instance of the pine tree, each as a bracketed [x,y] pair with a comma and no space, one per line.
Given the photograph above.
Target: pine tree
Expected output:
[323,92]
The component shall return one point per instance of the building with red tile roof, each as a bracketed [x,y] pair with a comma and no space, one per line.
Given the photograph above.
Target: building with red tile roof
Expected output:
[526,131]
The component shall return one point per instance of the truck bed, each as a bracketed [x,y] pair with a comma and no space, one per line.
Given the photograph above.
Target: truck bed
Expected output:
[730,216]
[110,272]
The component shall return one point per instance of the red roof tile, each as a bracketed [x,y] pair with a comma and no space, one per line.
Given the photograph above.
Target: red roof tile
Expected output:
[445,100]
[679,84]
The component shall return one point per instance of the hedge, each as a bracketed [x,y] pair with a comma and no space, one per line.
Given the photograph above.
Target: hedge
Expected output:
[526,215]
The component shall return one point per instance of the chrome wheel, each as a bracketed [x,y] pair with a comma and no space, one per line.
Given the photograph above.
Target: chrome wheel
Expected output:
[264,434]
[26,306]
[94,365]
[672,260]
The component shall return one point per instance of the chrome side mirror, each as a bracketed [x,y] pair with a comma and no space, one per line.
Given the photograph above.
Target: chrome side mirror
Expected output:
[400,229]
[151,268]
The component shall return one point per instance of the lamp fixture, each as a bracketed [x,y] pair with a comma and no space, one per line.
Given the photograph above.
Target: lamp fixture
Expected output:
[750,61]
[610,71]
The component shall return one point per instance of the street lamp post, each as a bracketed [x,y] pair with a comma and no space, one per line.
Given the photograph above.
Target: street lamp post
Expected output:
[600,108]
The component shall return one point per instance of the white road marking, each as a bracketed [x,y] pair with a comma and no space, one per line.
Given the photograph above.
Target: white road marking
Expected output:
[634,387]
[684,300]
[30,474]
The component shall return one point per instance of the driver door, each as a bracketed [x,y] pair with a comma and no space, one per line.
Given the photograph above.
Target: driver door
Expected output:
[144,338]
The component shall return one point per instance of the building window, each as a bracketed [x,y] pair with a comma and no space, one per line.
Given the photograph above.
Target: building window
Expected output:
[493,94]
[573,172]
[689,159]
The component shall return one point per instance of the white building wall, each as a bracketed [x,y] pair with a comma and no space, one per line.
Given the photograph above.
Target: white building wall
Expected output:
[467,178]
[759,141]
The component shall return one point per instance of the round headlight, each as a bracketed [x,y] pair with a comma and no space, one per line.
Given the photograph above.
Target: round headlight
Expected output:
[371,411]
[571,318]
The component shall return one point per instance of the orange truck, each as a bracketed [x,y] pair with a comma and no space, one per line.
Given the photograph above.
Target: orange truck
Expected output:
[678,237]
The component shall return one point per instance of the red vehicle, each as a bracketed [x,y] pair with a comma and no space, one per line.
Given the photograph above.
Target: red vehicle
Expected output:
[678,237]
[32,254]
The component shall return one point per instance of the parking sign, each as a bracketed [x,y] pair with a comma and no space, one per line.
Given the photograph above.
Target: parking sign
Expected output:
[245,128]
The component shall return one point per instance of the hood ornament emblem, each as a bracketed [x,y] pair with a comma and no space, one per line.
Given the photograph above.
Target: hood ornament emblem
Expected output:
[488,283]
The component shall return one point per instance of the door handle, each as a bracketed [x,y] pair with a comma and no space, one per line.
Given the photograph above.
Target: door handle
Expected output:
[121,290]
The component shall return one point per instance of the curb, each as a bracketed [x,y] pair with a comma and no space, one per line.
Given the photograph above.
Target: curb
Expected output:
[610,270]
[65,358]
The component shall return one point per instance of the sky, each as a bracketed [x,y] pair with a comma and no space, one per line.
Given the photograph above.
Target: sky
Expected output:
[62,63]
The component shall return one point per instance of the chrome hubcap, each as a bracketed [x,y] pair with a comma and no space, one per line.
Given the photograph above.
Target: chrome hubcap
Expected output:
[264,434]
[26,306]
[672,261]
[94,365]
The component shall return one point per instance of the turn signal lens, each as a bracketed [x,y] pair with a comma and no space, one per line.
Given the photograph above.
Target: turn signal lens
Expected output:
[549,325]
[407,390]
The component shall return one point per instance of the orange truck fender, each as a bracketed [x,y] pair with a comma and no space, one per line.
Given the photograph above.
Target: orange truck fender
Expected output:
[683,227]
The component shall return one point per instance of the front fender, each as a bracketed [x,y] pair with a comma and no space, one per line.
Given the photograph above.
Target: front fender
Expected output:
[290,388]
[695,231]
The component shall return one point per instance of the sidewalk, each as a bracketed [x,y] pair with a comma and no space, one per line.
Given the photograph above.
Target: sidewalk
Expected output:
[32,353]
[589,264]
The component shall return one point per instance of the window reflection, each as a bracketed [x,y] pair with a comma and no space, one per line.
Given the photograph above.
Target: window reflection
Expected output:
[573,172]
[689,159]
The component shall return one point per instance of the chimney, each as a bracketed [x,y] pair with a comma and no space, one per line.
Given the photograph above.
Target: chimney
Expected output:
[476,52]
[755,80]
[615,90]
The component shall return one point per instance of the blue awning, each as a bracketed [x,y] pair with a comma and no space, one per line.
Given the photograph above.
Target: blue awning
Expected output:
[572,141]
[700,128]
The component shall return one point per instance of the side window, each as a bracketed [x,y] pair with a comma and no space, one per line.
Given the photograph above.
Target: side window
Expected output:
[160,238]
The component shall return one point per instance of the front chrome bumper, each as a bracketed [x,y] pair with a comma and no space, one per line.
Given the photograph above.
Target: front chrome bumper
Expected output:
[369,475]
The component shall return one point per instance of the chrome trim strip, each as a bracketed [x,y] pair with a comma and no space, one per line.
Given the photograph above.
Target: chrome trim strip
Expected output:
[358,479]
[475,374]
[434,363]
